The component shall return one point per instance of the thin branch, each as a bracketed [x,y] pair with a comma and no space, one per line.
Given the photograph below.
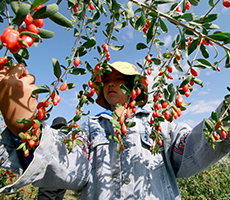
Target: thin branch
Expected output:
[160,14]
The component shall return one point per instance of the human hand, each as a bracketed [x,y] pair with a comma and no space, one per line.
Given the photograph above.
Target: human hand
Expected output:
[16,85]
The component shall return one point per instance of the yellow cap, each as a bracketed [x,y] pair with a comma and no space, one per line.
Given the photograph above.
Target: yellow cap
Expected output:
[126,69]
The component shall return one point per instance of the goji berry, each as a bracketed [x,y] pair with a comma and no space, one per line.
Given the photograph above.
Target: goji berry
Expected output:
[149,58]
[179,100]
[194,72]
[122,119]
[63,87]
[28,19]
[76,62]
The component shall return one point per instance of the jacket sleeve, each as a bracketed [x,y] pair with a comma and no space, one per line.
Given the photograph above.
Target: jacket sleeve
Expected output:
[52,166]
[189,150]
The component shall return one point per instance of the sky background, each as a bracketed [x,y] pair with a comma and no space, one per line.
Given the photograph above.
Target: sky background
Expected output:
[203,100]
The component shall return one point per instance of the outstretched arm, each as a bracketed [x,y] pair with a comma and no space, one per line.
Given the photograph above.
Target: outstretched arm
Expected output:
[16,85]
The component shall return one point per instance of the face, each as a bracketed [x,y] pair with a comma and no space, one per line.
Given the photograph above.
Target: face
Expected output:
[111,89]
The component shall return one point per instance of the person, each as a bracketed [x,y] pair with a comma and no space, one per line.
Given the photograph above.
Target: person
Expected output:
[50,193]
[105,174]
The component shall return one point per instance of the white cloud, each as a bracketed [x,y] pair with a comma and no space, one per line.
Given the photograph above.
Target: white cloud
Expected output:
[164,7]
[202,106]
[167,40]
[202,93]
[190,122]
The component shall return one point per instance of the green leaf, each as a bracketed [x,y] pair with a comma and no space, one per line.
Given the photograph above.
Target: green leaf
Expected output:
[140,23]
[22,135]
[204,51]
[209,124]
[164,1]
[113,137]
[90,43]
[198,81]
[150,30]
[211,3]
[14,6]
[140,46]
[88,67]
[125,90]
[116,48]
[23,121]
[120,25]
[45,33]
[34,35]
[156,61]
[39,91]
[95,18]
[207,19]
[116,123]
[166,94]
[77,71]
[203,63]
[59,19]
[182,42]
[130,124]
[192,46]
[214,116]
[22,146]
[79,142]
[219,36]
[37,3]
[56,68]
[81,51]
[187,17]
[227,62]
[23,10]
[226,119]
[138,77]
[129,10]
[82,100]
[71,86]
[46,11]
[177,66]
[172,92]
[186,81]
[163,26]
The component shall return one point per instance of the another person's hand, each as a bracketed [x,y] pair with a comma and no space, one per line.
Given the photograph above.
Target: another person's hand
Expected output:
[16,85]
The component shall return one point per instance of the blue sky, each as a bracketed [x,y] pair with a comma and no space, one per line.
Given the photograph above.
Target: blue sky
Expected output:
[203,100]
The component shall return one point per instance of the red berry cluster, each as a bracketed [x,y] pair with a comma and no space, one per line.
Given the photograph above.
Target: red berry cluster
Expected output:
[106,49]
[129,109]
[92,89]
[187,7]
[14,40]
[226,3]
[223,132]
[31,137]
[41,114]
[75,8]
[56,98]
[145,29]
[186,89]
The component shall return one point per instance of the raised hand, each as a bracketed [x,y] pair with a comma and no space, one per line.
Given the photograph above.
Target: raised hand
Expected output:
[16,85]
